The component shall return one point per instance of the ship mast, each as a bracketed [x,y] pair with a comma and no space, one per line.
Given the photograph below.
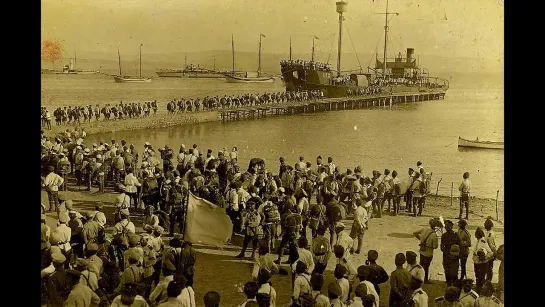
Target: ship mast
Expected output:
[386,38]
[185,60]
[214,62]
[233,50]
[119,61]
[259,63]
[290,48]
[75,61]
[312,59]
[341,8]
[141,60]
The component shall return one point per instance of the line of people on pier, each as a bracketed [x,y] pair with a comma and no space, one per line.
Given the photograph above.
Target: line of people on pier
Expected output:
[236,101]
[81,114]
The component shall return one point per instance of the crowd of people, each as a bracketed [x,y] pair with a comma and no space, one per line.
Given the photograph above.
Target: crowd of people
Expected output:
[236,101]
[81,114]
[287,65]
[82,266]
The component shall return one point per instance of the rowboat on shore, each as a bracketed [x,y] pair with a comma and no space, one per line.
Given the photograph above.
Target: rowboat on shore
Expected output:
[479,144]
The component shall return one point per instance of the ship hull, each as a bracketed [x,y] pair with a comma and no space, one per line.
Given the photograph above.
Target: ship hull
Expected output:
[82,72]
[294,82]
[237,79]
[120,79]
[174,74]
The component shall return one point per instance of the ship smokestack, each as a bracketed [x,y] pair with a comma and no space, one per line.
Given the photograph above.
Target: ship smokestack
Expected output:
[410,54]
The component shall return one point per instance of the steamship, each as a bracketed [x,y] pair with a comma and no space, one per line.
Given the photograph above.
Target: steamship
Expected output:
[190,71]
[397,75]
[70,69]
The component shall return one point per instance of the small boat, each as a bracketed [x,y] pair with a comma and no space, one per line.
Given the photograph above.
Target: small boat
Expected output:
[128,79]
[247,77]
[479,144]
[125,79]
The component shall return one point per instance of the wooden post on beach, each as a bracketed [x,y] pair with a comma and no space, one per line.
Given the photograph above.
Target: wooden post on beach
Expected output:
[451,189]
[437,191]
[497,216]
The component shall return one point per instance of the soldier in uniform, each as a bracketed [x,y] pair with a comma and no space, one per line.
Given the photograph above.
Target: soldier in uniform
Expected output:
[290,229]
[465,241]
[487,298]
[252,220]
[177,205]
[57,286]
[415,269]
[450,299]
[379,275]
[467,295]
[63,168]
[428,242]
[419,297]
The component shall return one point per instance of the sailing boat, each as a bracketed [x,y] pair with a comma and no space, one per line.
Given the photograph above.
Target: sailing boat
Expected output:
[127,79]
[247,77]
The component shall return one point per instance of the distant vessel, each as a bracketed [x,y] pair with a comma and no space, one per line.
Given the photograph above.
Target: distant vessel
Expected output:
[479,144]
[398,76]
[128,79]
[247,77]
[191,71]
[70,69]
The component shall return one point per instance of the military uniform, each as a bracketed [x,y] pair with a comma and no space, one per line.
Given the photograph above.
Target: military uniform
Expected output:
[468,299]
[420,298]
[488,301]
[81,295]
[442,302]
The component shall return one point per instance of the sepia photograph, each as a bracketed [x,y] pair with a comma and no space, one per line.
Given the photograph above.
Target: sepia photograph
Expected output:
[272,153]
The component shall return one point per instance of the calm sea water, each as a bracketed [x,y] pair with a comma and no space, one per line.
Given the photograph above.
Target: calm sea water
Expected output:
[375,139]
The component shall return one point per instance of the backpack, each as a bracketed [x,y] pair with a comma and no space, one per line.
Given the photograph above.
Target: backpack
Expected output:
[397,189]
[64,167]
[123,235]
[78,159]
[89,167]
[129,159]
[151,183]
[272,215]
[101,235]
[118,163]
[263,299]
[320,248]
[317,217]
[422,188]
[307,300]
[293,222]
[177,197]
[336,213]
[164,219]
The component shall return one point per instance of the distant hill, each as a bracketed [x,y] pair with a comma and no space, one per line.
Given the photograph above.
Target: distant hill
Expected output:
[248,61]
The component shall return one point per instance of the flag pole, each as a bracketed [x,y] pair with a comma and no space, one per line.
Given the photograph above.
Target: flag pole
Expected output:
[184,217]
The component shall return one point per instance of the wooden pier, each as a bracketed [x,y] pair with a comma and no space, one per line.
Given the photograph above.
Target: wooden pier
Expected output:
[328,104]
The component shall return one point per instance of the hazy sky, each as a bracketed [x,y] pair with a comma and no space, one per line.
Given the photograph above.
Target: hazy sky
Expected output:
[457,28]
